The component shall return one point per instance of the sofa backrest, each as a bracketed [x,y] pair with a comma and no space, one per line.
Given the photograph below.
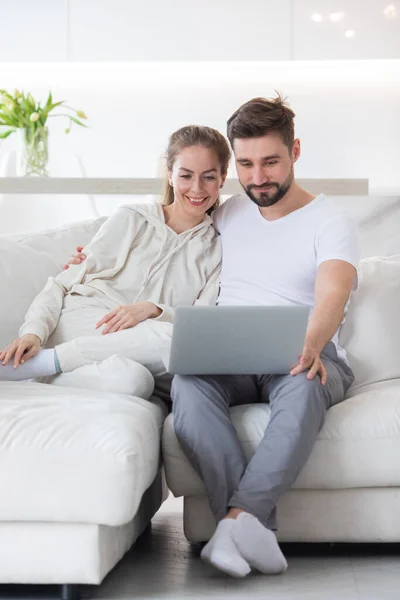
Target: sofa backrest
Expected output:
[378,219]
[371,331]
[27,261]
[60,242]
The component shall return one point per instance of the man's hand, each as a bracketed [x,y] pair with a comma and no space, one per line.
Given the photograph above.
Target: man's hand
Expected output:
[77,258]
[22,349]
[310,360]
[128,316]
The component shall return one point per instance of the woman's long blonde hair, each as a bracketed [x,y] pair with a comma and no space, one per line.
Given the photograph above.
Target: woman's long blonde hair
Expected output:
[194,135]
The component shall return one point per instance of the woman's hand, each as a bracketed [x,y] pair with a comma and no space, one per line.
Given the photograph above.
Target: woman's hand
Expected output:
[128,316]
[22,349]
[77,258]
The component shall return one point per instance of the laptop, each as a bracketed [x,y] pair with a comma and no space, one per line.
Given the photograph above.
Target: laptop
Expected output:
[224,340]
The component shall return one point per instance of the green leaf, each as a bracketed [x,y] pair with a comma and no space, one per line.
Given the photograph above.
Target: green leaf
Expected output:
[10,118]
[70,118]
[21,109]
[50,107]
[49,101]
[56,104]
[7,95]
[31,101]
[5,134]
[78,122]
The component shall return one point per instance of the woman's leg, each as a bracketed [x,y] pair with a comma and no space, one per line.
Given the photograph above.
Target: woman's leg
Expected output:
[43,364]
[116,374]
[76,342]
[147,344]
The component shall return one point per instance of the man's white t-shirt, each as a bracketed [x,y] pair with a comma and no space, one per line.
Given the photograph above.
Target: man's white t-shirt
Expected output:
[274,263]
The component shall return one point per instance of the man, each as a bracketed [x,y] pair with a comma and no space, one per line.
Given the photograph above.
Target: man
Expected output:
[281,246]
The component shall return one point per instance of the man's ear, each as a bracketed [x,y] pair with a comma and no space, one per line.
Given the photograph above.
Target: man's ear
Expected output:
[296,151]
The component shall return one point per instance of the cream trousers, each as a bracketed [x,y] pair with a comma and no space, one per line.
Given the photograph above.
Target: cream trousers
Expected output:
[78,342]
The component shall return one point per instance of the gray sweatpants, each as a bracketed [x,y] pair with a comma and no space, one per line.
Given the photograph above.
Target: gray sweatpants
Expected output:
[204,428]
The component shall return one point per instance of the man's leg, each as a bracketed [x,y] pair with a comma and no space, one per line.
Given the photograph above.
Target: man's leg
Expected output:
[205,431]
[298,408]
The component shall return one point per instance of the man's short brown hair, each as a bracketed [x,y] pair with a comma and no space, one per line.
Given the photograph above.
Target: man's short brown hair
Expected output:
[261,116]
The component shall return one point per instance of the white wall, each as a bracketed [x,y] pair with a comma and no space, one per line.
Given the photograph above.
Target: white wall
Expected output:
[348,114]
[133,30]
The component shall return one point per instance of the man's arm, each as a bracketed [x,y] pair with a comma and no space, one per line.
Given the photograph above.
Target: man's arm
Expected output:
[332,290]
[333,285]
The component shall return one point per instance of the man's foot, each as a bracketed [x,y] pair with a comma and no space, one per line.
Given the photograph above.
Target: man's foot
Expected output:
[222,553]
[258,545]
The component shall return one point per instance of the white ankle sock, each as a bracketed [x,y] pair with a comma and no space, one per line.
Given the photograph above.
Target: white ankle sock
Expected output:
[258,545]
[42,364]
[222,553]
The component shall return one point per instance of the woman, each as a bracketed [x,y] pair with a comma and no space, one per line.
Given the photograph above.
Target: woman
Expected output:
[144,261]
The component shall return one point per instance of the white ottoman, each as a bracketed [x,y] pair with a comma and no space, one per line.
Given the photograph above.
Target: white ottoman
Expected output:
[80,480]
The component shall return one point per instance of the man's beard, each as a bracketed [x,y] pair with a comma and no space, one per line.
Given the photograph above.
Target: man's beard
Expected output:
[266,199]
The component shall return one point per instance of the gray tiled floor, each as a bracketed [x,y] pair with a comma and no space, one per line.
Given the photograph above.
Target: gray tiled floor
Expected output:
[163,565]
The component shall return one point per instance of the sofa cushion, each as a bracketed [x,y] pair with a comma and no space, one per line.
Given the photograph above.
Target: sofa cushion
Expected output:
[26,262]
[371,331]
[74,455]
[59,243]
[377,218]
[358,446]
[23,272]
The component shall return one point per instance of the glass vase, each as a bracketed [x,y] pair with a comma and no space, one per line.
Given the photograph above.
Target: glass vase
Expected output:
[32,152]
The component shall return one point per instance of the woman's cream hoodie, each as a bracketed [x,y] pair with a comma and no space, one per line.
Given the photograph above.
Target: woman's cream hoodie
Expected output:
[134,257]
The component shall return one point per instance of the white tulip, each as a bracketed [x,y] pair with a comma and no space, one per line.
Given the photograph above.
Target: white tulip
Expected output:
[34,117]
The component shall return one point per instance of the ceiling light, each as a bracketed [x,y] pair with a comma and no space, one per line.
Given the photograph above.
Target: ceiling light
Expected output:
[316,17]
[336,16]
[390,11]
[350,33]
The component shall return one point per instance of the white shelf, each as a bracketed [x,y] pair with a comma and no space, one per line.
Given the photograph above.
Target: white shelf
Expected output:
[55,185]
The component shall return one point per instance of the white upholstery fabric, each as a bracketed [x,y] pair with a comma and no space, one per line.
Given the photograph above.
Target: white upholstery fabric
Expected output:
[23,273]
[56,553]
[73,455]
[60,552]
[371,331]
[59,243]
[353,515]
[26,262]
[377,218]
[358,446]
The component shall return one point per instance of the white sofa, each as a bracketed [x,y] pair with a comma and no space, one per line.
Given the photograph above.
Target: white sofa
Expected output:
[349,490]
[80,470]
